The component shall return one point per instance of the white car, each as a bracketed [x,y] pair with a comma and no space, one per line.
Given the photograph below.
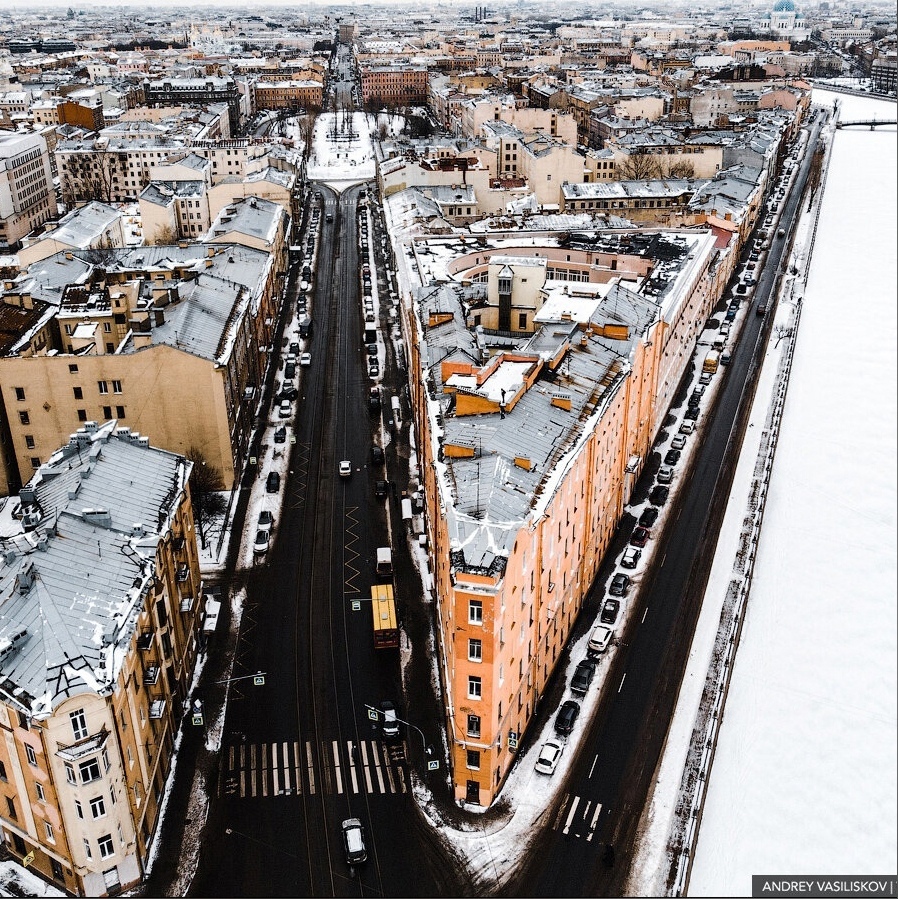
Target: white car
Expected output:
[305,359]
[285,409]
[687,427]
[263,538]
[549,756]
[345,468]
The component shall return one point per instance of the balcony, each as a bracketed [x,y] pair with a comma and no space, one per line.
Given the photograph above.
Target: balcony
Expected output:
[178,544]
[151,675]
[145,640]
[183,573]
[157,709]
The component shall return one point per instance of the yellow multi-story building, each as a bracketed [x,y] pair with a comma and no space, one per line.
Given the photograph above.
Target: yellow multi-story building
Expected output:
[528,456]
[99,597]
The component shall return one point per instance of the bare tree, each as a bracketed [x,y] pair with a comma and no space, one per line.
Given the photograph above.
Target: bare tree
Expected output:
[206,486]
[685,168]
[639,167]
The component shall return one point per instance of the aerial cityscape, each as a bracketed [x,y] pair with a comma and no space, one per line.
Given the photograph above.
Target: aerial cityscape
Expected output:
[429,460]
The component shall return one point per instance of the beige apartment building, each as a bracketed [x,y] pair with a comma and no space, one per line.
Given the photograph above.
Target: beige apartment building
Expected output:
[27,198]
[171,341]
[529,455]
[100,594]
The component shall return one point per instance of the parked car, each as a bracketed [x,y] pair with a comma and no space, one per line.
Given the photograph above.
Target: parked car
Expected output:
[260,544]
[354,839]
[678,442]
[389,727]
[599,640]
[658,496]
[665,474]
[687,427]
[640,536]
[630,558]
[373,368]
[280,435]
[294,348]
[305,359]
[567,716]
[609,611]
[671,457]
[381,489]
[647,519]
[548,757]
[273,482]
[285,409]
[724,358]
[345,468]
[374,398]
[266,519]
[289,371]
[288,392]
[620,583]
[377,455]
[692,412]
[730,314]
[582,677]
[705,378]
[371,349]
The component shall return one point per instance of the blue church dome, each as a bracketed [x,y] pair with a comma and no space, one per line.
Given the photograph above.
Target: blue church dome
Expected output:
[784,6]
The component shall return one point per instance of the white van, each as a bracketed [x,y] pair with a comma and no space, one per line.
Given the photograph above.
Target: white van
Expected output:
[384,563]
[599,639]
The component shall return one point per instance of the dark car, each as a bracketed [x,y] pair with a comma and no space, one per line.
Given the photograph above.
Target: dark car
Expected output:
[671,457]
[567,715]
[619,584]
[294,348]
[273,482]
[377,455]
[288,393]
[658,496]
[290,371]
[583,675]
[381,489]
[639,537]
[693,412]
[280,435]
[374,398]
[609,611]
[649,517]
[762,309]
[731,313]
[371,349]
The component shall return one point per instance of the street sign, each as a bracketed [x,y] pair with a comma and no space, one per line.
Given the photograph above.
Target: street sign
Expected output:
[373,714]
[252,460]
[28,859]
[293,438]
[198,719]
[433,766]
[258,680]
[356,605]
[512,739]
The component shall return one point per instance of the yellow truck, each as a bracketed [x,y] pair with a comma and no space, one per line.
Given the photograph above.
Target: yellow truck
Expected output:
[712,360]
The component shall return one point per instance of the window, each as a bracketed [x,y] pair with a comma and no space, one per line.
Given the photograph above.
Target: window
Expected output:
[98,807]
[522,320]
[475,650]
[89,770]
[79,724]
[29,441]
[82,414]
[35,462]
[475,611]
[107,327]
[30,755]
[473,758]
[473,725]
[112,795]
[119,411]
[87,849]
[79,393]
[475,687]
[78,808]
[20,393]
[116,386]
[2,771]
[24,419]
[11,807]
[48,829]
[73,369]
[105,844]
[105,756]
[103,387]
[107,412]
[39,791]
[70,773]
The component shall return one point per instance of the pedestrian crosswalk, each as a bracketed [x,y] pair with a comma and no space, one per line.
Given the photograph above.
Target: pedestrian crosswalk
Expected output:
[578,817]
[290,767]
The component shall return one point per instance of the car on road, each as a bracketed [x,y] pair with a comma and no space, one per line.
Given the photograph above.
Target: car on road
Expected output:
[781,232]
[630,558]
[377,455]
[389,726]
[260,544]
[678,442]
[289,371]
[345,468]
[305,359]
[687,427]
[381,489]
[730,314]
[354,841]
[371,349]
[609,611]
[285,409]
[294,348]
[648,518]
[762,309]
[280,435]
[599,640]
[665,474]
[671,457]
[705,378]
[567,716]
[620,583]
[658,496]
[582,677]
[273,482]
[693,412]
[266,519]
[549,754]
[640,536]
[288,392]
[373,368]
[725,358]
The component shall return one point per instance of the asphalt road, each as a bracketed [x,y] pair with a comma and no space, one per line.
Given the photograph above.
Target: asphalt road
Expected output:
[586,846]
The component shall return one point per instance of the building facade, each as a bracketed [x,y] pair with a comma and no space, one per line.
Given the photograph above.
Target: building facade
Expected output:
[27,198]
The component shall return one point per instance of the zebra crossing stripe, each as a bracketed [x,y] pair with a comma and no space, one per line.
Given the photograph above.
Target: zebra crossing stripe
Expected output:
[592,824]
[337,771]
[570,817]
[366,768]
[353,774]
[296,768]
[311,767]
[380,777]
[285,756]
[275,773]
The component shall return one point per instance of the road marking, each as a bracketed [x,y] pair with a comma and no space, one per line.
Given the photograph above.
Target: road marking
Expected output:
[570,817]
[296,766]
[337,771]
[592,767]
[353,774]
[592,824]
[285,757]
[310,761]
[645,613]
[622,682]
[366,768]
[274,771]
[377,771]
